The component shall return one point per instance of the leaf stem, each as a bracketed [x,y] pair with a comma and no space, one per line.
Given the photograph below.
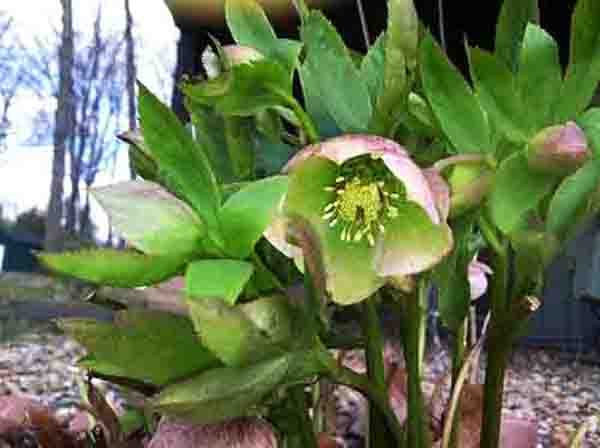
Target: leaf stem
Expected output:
[305,121]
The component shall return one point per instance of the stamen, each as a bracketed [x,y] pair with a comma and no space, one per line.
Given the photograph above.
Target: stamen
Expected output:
[340,179]
[329,207]
[371,239]
[333,223]
[395,196]
[329,189]
[328,216]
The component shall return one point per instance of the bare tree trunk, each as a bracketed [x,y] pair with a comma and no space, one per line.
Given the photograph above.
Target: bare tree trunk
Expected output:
[131,74]
[62,132]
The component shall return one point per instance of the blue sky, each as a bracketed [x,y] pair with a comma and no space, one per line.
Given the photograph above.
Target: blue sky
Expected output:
[25,171]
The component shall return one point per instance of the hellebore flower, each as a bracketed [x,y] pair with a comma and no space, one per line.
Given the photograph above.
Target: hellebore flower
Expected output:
[235,54]
[478,282]
[372,210]
[469,178]
[560,149]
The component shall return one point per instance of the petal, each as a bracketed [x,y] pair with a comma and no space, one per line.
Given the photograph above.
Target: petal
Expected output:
[350,276]
[417,186]
[478,282]
[346,147]
[441,191]
[411,243]
[276,234]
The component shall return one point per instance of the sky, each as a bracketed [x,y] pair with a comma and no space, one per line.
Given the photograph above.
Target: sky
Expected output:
[25,170]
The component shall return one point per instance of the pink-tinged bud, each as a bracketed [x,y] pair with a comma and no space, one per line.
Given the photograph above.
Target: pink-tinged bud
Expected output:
[470,179]
[559,150]
[235,54]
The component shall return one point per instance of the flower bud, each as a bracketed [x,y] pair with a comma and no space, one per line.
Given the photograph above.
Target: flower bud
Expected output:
[235,54]
[470,179]
[560,149]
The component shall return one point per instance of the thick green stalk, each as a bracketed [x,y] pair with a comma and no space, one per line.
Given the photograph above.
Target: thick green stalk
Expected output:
[305,438]
[498,348]
[378,431]
[312,135]
[458,357]
[413,335]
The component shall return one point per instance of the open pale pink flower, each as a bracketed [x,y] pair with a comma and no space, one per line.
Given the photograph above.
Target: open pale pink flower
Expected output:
[560,149]
[372,209]
[477,274]
[238,433]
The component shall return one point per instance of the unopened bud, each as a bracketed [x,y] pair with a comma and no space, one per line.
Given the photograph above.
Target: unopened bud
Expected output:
[235,54]
[560,149]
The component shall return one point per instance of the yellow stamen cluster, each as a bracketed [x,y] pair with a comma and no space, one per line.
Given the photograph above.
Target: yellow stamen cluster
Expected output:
[360,208]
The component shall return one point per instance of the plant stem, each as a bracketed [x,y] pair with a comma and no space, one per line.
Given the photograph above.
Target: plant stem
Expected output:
[458,357]
[305,121]
[306,437]
[417,436]
[497,351]
[378,432]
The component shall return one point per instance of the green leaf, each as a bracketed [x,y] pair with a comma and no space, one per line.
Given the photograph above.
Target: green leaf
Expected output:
[571,195]
[539,76]
[452,101]
[140,156]
[517,190]
[247,89]
[119,268]
[178,154]
[401,45]
[328,60]
[247,214]
[497,91]
[315,105]
[154,347]
[217,279]
[150,218]
[221,394]
[451,276]
[271,155]
[209,131]
[590,124]
[372,69]
[250,26]
[514,16]
[240,145]
[246,333]
[583,71]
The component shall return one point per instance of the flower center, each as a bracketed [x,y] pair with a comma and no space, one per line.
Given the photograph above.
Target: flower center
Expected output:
[364,201]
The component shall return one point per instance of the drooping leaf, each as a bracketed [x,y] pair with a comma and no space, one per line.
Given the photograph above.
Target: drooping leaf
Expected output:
[223,393]
[250,26]
[372,69]
[497,91]
[154,347]
[328,60]
[217,279]
[151,218]
[539,77]
[178,154]
[246,333]
[583,71]
[452,101]
[451,276]
[517,190]
[510,29]
[247,213]
[590,124]
[110,267]
[571,195]
[247,89]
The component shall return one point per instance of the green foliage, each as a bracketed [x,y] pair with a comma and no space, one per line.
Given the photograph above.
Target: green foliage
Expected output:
[250,27]
[510,29]
[154,347]
[509,205]
[110,267]
[328,61]
[456,108]
[590,124]
[583,71]
[181,157]
[247,213]
[571,196]
[246,333]
[217,279]
[223,393]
